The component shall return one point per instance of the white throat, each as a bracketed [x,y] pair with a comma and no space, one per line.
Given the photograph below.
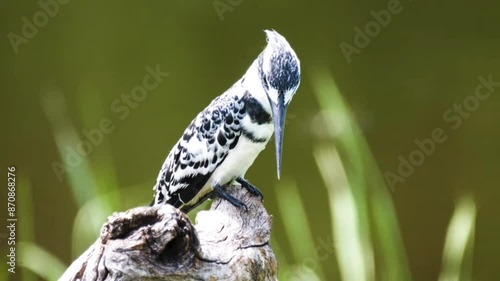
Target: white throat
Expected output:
[251,81]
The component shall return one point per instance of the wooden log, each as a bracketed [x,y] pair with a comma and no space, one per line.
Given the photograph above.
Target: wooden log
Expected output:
[161,243]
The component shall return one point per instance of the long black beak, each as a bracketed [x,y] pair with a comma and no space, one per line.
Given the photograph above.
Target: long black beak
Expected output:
[279,115]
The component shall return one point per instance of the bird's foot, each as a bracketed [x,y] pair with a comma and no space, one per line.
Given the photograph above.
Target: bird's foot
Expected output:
[250,187]
[220,192]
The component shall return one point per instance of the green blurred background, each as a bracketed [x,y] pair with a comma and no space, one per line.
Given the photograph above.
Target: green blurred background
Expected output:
[396,90]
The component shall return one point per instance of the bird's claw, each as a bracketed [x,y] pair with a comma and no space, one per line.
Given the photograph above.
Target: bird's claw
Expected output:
[250,187]
[220,192]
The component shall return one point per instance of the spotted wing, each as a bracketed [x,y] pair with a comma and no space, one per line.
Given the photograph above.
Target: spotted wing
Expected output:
[203,147]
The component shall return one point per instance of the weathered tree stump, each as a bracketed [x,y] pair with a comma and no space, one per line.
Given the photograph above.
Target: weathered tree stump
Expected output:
[161,243]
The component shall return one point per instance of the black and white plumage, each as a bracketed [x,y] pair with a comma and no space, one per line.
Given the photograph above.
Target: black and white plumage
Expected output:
[222,142]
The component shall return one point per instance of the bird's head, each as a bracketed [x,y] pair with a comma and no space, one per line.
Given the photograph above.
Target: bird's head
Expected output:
[279,73]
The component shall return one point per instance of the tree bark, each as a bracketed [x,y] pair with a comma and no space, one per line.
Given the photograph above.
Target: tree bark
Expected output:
[161,243]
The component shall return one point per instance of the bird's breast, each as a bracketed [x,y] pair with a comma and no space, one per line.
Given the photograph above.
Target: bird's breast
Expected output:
[242,156]
[237,161]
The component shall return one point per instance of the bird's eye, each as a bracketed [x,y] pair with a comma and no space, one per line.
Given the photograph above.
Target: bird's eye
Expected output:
[264,82]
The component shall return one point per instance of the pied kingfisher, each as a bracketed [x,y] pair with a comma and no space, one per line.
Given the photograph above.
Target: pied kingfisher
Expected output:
[222,142]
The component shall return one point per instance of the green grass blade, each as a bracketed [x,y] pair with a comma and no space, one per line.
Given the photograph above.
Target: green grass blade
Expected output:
[354,259]
[365,179]
[294,216]
[78,170]
[459,242]
[40,261]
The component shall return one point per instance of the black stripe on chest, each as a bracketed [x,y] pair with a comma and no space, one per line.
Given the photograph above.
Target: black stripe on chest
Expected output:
[255,110]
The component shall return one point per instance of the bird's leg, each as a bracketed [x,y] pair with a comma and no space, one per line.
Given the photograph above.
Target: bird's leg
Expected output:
[219,191]
[250,187]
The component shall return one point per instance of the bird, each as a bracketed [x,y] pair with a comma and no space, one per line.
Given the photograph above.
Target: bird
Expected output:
[222,142]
